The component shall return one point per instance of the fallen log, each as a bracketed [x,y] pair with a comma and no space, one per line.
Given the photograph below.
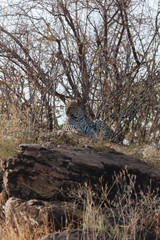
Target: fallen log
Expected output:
[41,173]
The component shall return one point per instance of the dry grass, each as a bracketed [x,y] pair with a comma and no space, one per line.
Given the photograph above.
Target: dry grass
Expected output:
[126,216]
[21,232]
[14,130]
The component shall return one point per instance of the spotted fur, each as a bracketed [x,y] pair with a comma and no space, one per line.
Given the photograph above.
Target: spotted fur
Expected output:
[76,121]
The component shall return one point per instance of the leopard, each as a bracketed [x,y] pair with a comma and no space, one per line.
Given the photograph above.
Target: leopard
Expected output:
[78,122]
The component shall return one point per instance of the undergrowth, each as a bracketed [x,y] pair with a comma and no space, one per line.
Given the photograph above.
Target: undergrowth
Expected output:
[127,215]
[14,130]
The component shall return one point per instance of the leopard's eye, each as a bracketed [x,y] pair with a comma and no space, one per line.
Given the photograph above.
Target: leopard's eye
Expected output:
[72,115]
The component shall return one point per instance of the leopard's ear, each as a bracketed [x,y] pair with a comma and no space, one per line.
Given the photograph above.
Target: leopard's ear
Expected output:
[66,102]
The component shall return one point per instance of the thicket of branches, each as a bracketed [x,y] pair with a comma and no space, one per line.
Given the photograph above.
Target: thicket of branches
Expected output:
[105,53]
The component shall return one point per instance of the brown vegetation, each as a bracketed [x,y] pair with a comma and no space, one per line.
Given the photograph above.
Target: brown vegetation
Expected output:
[108,59]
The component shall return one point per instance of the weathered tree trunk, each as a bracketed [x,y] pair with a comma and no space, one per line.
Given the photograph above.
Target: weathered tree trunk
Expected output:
[40,173]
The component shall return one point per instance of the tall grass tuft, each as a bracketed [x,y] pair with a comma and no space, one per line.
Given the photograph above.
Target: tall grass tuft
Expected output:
[127,216]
